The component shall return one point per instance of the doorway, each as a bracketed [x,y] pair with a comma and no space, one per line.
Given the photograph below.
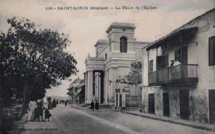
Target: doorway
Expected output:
[184,104]
[212,106]
[166,104]
[151,103]
[120,100]
[116,100]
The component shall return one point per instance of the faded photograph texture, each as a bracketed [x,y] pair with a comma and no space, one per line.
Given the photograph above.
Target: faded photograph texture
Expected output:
[107,67]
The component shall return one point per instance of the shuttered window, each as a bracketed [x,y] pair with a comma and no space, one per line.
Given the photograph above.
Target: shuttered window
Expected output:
[150,66]
[181,55]
[211,51]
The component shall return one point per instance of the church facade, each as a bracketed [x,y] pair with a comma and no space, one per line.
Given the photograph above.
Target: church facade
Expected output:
[112,61]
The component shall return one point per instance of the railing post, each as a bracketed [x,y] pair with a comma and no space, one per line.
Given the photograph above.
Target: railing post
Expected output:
[181,70]
[168,73]
[156,76]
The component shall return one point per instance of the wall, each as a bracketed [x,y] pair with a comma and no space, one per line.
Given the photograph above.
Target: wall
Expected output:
[104,50]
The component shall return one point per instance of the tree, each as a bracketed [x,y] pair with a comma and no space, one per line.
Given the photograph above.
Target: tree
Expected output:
[6,55]
[134,76]
[37,58]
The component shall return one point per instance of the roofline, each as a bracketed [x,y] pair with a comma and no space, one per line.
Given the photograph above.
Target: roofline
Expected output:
[120,25]
[145,47]
[101,42]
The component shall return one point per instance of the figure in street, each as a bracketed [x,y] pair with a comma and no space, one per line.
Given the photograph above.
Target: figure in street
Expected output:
[32,106]
[54,103]
[40,110]
[66,102]
[50,105]
[47,114]
[36,114]
[92,105]
[97,105]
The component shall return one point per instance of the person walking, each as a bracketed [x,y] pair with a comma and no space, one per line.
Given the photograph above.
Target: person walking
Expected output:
[54,103]
[36,114]
[40,110]
[92,105]
[32,106]
[50,105]
[47,114]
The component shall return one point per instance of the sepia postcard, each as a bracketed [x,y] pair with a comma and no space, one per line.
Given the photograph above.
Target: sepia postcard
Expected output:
[107,67]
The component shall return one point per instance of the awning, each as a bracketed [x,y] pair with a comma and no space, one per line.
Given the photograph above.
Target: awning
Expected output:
[78,91]
[171,35]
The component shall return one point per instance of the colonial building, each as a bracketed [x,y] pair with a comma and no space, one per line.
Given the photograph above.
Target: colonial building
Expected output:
[80,93]
[113,59]
[179,72]
[76,91]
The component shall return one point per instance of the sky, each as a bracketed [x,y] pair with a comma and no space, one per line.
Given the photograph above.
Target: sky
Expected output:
[85,27]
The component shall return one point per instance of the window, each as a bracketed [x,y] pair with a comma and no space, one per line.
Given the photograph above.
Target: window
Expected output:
[110,45]
[106,56]
[150,66]
[178,55]
[162,62]
[181,55]
[123,45]
[212,51]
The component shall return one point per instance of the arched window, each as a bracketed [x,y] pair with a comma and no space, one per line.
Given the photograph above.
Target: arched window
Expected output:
[123,45]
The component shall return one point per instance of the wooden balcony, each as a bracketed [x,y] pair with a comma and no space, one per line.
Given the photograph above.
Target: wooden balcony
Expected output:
[177,75]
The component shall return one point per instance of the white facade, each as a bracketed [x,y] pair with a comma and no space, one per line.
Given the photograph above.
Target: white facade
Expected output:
[110,63]
[196,77]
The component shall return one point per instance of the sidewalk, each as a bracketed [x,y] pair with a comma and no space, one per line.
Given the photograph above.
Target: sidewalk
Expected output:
[136,112]
[78,106]
[40,127]
[188,123]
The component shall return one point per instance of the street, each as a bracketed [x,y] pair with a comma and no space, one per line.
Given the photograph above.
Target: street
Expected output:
[67,120]
[70,120]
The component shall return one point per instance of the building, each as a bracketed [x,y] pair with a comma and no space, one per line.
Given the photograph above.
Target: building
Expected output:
[112,61]
[179,72]
[80,93]
[76,91]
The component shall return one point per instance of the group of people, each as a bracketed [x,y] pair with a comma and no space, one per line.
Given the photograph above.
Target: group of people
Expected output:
[39,111]
[94,106]
[52,104]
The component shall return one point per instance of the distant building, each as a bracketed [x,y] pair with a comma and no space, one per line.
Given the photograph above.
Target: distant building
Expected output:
[76,91]
[80,93]
[112,61]
[184,90]
[59,98]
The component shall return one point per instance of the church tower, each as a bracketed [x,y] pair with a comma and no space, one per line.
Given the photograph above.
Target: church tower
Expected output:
[121,40]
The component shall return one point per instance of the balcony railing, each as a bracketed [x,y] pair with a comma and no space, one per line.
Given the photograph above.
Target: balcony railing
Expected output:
[175,74]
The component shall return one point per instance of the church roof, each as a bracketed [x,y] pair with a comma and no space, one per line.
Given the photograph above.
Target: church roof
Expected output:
[121,25]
